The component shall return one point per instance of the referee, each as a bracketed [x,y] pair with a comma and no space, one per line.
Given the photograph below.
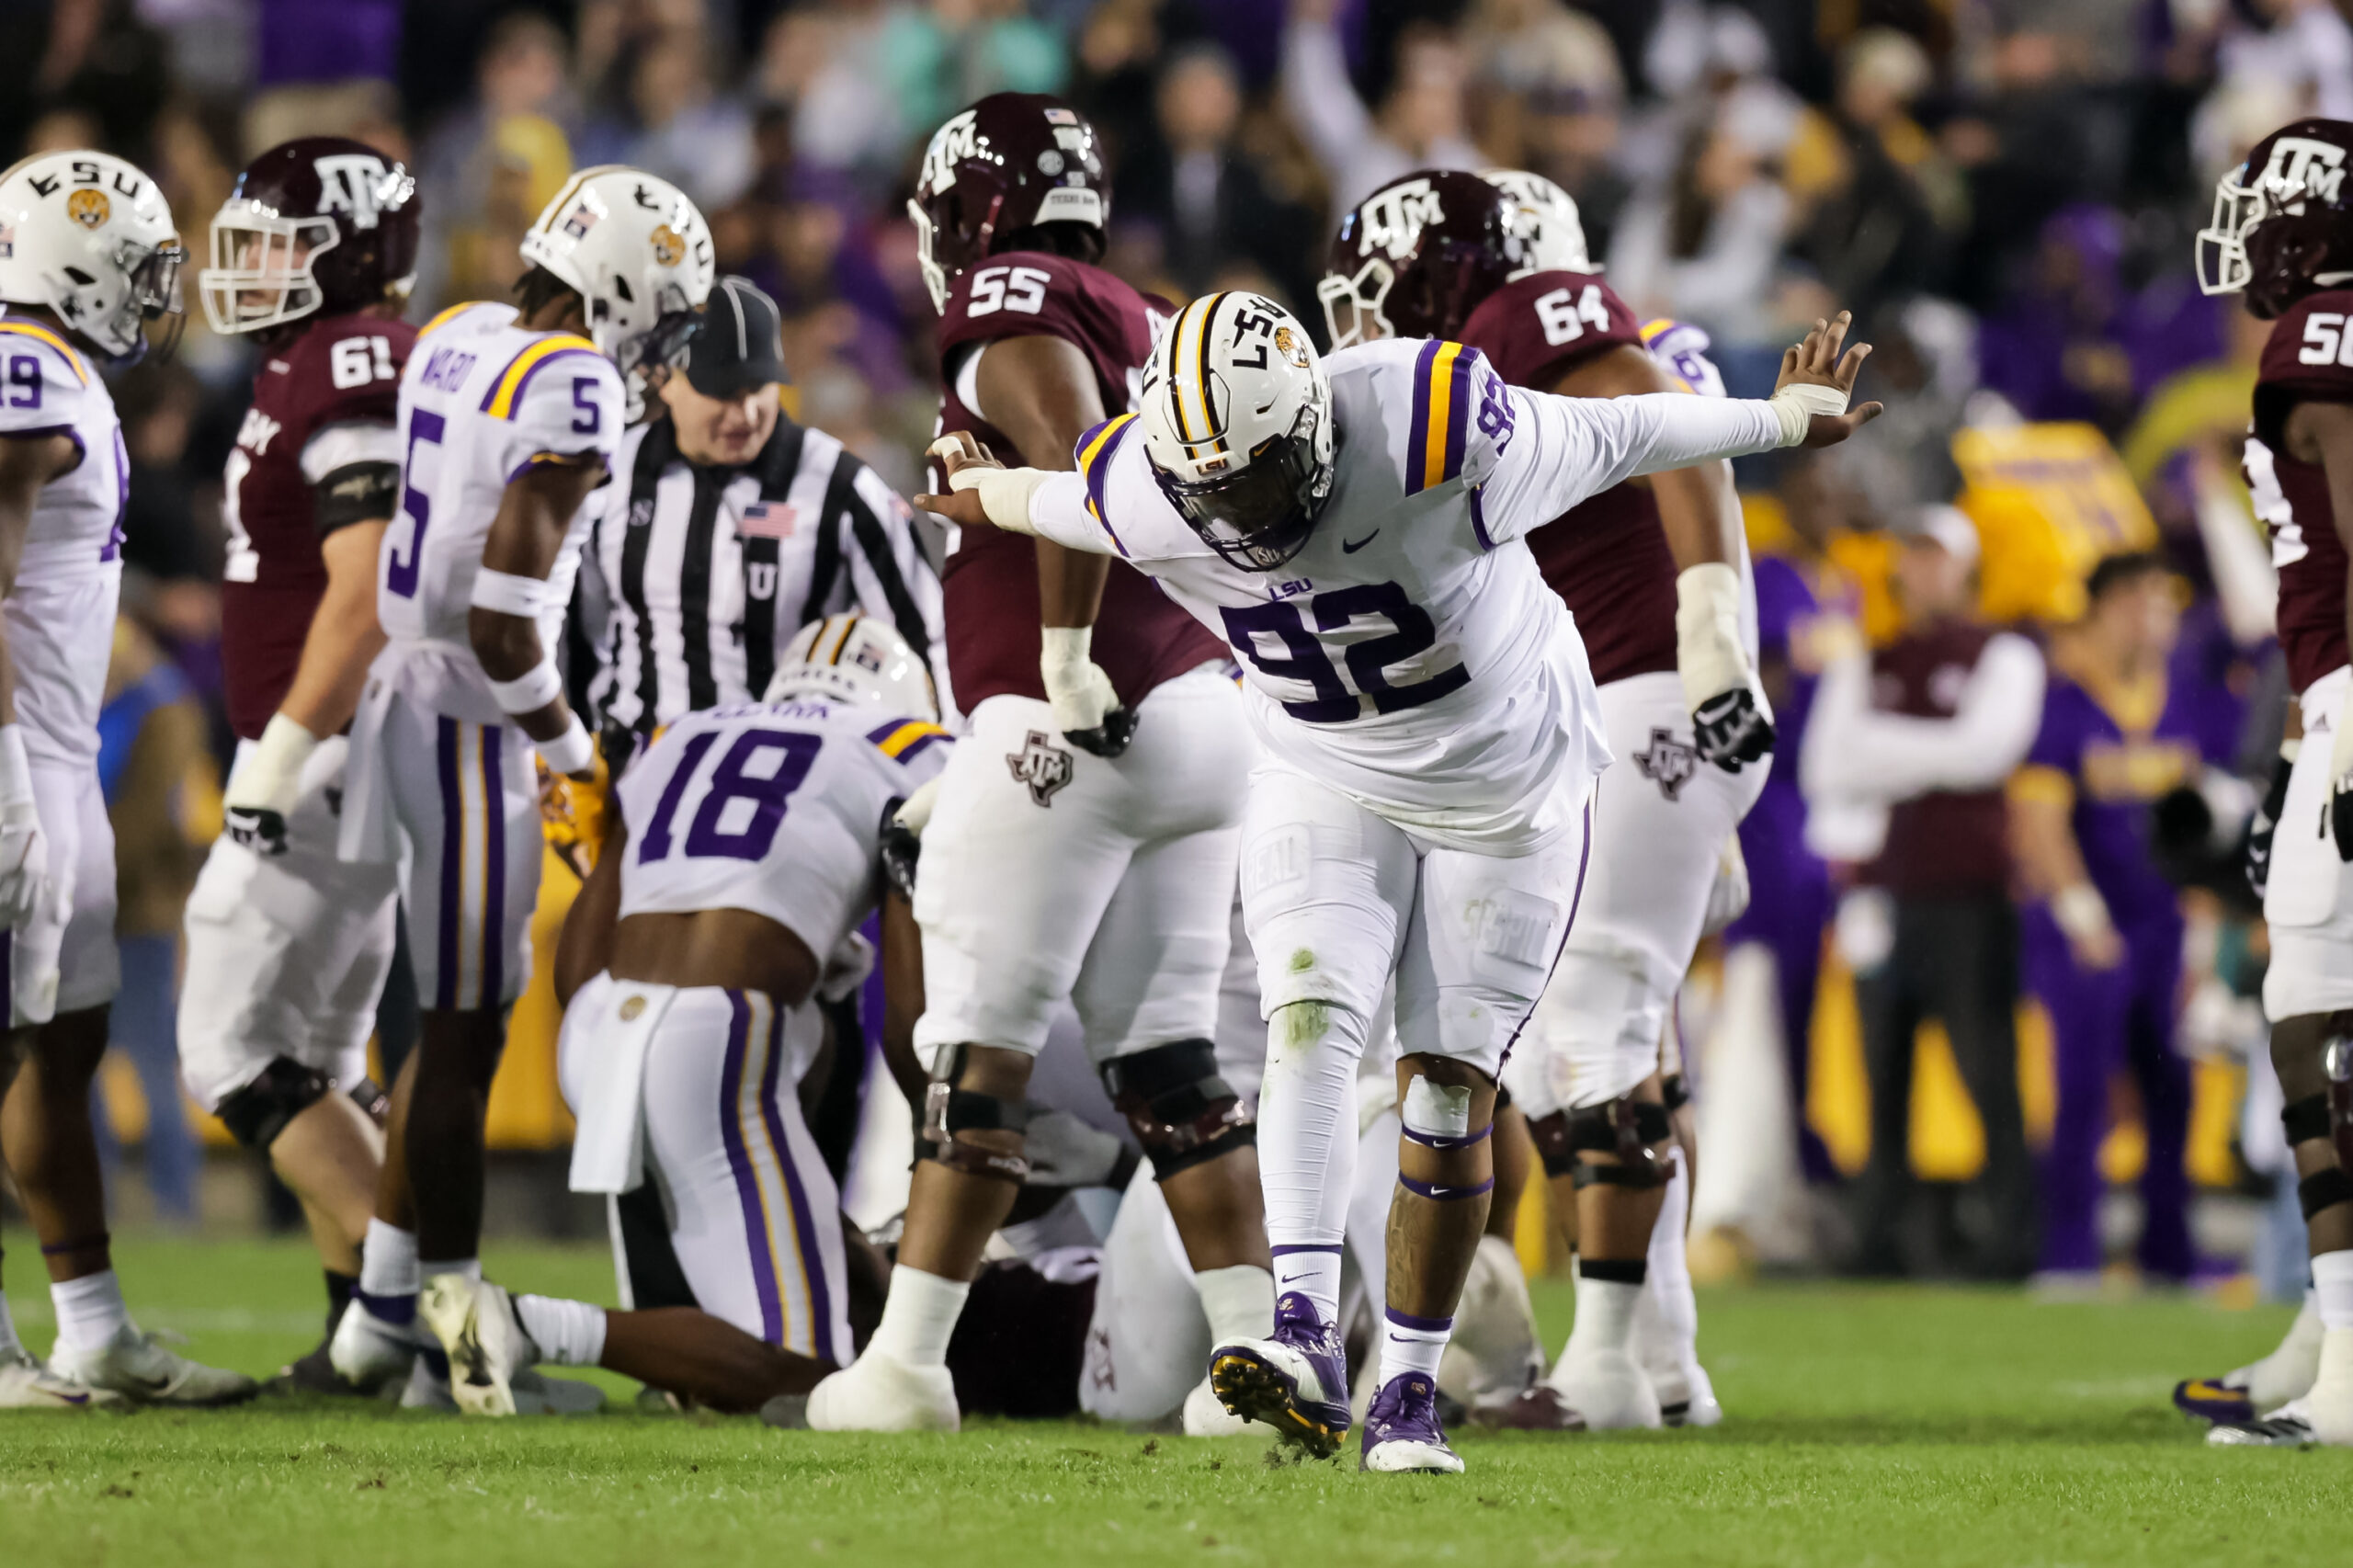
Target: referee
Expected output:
[727,528]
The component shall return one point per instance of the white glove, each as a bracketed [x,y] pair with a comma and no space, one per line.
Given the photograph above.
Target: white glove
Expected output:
[1087,706]
[264,785]
[24,884]
[915,812]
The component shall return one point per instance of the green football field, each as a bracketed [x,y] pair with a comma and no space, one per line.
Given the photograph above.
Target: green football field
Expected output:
[1896,1427]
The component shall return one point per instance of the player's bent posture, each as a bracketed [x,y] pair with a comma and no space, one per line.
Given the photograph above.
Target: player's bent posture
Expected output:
[288,945]
[2283,236]
[508,416]
[1430,736]
[741,853]
[1653,571]
[1083,846]
[90,259]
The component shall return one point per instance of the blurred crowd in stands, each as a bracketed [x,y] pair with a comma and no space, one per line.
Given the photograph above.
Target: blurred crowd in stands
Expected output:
[2005,192]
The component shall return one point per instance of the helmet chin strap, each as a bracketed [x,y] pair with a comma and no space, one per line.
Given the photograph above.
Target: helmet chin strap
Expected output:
[2331,280]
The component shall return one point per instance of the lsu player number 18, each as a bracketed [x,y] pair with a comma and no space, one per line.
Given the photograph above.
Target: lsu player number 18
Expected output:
[2282,235]
[508,417]
[1430,736]
[745,848]
[87,258]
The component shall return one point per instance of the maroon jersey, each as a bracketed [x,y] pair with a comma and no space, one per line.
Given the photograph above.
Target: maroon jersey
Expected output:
[339,371]
[2308,358]
[990,588]
[1606,556]
[1945,843]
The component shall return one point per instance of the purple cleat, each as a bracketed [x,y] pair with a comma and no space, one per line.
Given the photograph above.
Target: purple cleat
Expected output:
[1401,1431]
[1296,1381]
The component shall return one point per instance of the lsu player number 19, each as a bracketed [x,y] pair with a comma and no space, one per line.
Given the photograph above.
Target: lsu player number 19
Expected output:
[2282,235]
[508,417]
[87,258]
[1430,736]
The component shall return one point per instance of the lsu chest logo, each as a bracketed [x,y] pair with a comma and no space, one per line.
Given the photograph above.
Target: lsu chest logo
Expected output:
[1042,765]
[88,207]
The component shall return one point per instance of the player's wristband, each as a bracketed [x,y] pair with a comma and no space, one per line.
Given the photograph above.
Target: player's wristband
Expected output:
[269,777]
[571,752]
[510,593]
[1063,654]
[2081,912]
[1709,654]
[1796,404]
[1004,492]
[16,767]
[528,692]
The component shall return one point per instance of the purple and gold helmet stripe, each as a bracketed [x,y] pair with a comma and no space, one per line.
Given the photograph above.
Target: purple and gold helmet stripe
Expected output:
[1441,414]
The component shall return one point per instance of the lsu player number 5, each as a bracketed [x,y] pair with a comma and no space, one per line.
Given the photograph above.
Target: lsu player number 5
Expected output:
[1430,736]
[508,417]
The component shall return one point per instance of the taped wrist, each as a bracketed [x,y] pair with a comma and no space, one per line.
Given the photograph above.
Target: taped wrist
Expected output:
[1709,656]
[2080,911]
[269,777]
[1796,404]
[1004,492]
[257,1113]
[571,752]
[1180,1109]
[947,1110]
[509,593]
[16,767]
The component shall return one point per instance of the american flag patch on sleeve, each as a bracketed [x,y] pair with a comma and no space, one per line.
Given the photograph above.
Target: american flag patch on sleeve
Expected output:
[768,519]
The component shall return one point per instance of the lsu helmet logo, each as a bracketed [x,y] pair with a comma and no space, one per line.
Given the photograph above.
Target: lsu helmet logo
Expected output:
[1291,347]
[2302,169]
[1395,217]
[669,247]
[88,207]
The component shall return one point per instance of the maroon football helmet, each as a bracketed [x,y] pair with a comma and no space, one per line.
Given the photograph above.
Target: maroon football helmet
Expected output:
[318,226]
[1417,256]
[1010,161]
[2283,219]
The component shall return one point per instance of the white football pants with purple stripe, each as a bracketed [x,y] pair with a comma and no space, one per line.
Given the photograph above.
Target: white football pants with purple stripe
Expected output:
[463,800]
[754,1217]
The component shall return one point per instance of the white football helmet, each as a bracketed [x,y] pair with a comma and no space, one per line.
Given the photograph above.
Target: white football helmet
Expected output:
[1550,235]
[90,237]
[855,658]
[1237,420]
[639,254]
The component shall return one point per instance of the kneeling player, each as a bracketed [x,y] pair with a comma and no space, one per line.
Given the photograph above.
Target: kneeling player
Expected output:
[745,848]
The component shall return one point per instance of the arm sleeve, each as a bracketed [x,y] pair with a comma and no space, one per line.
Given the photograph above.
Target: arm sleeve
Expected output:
[1058,511]
[1851,749]
[1556,452]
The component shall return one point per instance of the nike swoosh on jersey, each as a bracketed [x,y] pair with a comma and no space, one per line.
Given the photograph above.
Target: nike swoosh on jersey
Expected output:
[1350,546]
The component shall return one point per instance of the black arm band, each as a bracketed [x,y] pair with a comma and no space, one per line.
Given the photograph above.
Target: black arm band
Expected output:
[356,492]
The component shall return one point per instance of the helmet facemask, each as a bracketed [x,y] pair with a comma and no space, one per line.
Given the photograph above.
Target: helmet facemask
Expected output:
[1362,295]
[255,251]
[151,276]
[1259,516]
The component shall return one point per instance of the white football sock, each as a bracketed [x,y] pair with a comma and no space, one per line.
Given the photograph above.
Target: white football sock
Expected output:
[1307,1145]
[569,1334]
[388,1261]
[89,1310]
[9,1343]
[1605,1315]
[920,1317]
[1239,1303]
[2333,1288]
[1409,1344]
[1670,1303]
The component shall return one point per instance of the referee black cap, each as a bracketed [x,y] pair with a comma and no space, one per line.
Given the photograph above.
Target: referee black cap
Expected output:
[740,345]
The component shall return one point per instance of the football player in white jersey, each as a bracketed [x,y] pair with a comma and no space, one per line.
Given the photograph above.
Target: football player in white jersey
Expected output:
[741,853]
[1430,735]
[508,416]
[87,258]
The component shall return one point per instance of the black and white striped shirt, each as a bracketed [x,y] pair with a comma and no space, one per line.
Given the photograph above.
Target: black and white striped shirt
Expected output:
[692,578]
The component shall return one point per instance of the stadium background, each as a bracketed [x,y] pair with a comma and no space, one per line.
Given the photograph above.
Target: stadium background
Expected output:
[2003,192]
